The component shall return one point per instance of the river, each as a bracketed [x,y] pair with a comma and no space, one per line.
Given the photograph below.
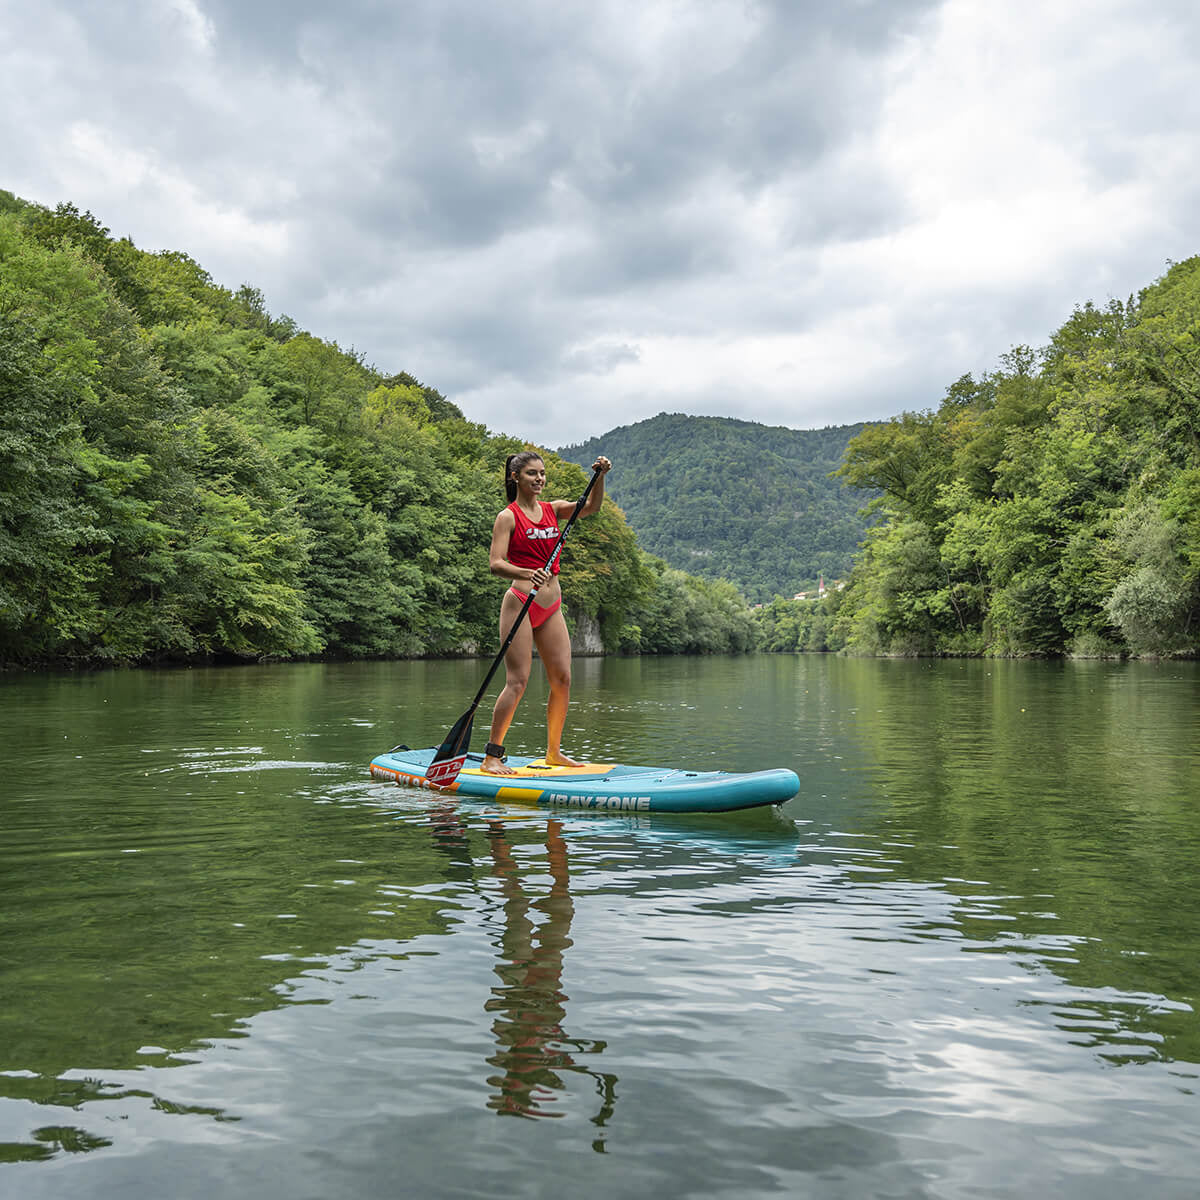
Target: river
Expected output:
[963,962]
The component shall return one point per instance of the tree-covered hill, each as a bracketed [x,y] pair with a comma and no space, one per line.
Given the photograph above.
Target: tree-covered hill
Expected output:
[1050,507]
[185,476]
[723,498]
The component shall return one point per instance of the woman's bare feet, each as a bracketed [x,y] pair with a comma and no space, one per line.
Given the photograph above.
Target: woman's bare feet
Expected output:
[492,765]
[562,760]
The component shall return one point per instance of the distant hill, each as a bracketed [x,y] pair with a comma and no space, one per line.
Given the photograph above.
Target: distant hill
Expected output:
[719,497]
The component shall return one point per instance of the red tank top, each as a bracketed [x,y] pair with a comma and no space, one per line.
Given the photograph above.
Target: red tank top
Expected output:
[532,543]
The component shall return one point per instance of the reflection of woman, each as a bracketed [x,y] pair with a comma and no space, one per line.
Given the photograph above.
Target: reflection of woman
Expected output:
[529,1003]
[523,539]
[450,837]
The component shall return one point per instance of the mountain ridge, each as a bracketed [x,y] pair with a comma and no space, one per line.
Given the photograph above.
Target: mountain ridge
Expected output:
[722,497]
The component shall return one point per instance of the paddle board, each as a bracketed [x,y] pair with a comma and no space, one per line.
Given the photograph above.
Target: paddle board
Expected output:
[616,787]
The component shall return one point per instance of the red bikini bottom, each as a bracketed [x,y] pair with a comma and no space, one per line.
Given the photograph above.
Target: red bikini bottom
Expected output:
[538,615]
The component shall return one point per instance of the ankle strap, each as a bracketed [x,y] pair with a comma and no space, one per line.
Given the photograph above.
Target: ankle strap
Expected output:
[495,751]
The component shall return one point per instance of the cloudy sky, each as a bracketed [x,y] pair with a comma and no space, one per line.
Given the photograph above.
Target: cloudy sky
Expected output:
[569,216]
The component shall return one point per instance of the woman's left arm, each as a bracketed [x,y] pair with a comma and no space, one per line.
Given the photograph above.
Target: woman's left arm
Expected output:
[564,508]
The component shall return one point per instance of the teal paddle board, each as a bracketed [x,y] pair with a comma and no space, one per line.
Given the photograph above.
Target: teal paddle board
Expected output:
[612,786]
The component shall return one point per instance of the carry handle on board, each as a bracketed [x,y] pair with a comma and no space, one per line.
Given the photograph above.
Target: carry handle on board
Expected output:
[452,753]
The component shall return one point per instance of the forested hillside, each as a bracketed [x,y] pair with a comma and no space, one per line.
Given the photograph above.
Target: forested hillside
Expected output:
[185,476]
[1050,507]
[734,499]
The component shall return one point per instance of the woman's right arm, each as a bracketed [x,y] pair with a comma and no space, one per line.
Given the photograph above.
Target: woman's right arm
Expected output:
[498,563]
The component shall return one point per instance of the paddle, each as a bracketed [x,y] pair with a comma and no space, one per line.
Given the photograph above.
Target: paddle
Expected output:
[452,753]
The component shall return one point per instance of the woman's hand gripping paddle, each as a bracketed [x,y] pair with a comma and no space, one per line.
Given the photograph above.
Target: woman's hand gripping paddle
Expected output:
[452,753]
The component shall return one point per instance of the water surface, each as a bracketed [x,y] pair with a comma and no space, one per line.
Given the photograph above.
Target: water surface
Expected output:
[963,962]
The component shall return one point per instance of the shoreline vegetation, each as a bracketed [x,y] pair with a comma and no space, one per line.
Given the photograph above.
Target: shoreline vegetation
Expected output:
[186,478]
[1050,508]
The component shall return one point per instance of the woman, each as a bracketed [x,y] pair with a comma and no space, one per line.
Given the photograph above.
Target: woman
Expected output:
[523,539]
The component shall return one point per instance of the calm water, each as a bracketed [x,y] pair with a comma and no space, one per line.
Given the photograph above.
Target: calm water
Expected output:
[964,962]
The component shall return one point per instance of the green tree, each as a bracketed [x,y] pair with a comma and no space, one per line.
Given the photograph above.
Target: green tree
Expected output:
[1153,601]
[354,603]
[237,572]
[41,588]
[330,386]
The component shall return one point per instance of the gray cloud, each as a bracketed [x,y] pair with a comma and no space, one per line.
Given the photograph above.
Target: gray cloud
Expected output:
[792,212]
[600,359]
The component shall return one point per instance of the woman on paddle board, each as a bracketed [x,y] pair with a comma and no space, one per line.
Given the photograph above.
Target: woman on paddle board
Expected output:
[523,539]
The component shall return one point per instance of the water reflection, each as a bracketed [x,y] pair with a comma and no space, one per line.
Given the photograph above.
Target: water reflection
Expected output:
[51,1140]
[532,1049]
[80,1095]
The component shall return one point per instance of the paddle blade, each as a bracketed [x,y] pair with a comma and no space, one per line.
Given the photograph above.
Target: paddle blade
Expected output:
[452,753]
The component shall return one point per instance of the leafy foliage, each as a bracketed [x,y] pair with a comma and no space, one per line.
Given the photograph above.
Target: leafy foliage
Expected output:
[727,499]
[183,475]
[1052,507]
